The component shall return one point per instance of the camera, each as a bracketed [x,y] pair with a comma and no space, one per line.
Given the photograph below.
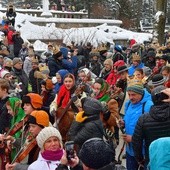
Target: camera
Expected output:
[69,147]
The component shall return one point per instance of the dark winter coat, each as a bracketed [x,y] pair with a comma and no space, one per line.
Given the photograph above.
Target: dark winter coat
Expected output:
[150,127]
[95,67]
[54,66]
[21,77]
[18,41]
[80,132]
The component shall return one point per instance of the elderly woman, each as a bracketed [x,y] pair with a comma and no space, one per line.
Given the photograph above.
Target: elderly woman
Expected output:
[49,141]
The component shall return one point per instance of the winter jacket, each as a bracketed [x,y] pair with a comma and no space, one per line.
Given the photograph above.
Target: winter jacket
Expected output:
[43,164]
[54,66]
[70,65]
[150,127]
[27,65]
[80,132]
[21,77]
[132,114]
[132,68]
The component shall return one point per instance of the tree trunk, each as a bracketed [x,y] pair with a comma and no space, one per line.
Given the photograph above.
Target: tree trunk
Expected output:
[161,5]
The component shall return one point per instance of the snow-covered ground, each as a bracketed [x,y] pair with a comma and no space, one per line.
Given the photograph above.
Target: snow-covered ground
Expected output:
[96,35]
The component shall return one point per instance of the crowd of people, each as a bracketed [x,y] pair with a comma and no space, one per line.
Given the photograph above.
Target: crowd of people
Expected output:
[85,95]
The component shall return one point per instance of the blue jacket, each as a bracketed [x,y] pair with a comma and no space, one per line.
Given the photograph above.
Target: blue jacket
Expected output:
[132,114]
[132,68]
[70,66]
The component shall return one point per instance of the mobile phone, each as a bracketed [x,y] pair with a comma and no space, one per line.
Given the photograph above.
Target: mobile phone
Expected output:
[69,147]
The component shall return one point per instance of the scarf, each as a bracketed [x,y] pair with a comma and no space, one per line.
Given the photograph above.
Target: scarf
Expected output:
[52,155]
[63,97]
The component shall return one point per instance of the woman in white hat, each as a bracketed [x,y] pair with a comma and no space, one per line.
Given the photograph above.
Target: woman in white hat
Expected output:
[49,141]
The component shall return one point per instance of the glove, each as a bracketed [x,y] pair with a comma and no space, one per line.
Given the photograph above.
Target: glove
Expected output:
[80,118]
[74,98]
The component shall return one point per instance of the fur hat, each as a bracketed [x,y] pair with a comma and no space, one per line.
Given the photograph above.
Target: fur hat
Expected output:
[16,61]
[4,72]
[91,106]
[46,133]
[96,153]
[35,60]
[48,84]
[157,79]
[34,99]
[39,117]
[136,86]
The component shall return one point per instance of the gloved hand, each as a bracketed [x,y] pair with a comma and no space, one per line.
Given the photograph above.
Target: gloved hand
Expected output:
[80,118]
[74,98]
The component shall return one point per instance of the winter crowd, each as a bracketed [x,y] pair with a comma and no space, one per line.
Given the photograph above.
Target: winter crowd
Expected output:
[68,107]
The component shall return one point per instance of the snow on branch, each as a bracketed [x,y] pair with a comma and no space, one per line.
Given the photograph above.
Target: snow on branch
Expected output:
[158,15]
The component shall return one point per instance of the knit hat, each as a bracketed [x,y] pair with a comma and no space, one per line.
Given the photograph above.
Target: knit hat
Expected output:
[157,79]
[3,73]
[8,62]
[122,69]
[91,106]
[16,61]
[39,117]
[151,54]
[46,133]
[48,84]
[34,99]
[136,57]
[136,86]
[96,153]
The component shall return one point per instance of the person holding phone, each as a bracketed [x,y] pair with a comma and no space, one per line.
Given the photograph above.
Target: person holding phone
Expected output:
[49,141]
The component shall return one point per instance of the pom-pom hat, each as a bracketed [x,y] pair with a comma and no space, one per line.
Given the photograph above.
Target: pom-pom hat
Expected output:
[46,133]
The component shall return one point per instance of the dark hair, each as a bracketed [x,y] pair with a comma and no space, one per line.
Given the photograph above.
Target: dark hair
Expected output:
[140,70]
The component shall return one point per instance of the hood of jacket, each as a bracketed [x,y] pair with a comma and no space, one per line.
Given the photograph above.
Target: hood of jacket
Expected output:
[160,112]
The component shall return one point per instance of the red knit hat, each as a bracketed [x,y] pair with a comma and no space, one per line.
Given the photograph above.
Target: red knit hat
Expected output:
[34,99]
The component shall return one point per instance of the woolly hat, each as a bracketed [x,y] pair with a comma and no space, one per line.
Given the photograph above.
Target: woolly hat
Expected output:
[136,57]
[16,60]
[109,61]
[151,54]
[122,69]
[91,106]
[8,62]
[3,73]
[157,80]
[46,133]
[48,84]
[34,99]
[40,118]
[96,153]
[136,86]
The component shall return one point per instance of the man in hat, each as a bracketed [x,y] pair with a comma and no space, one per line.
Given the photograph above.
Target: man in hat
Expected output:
[139,103]
[20,74]
[152,126]
[136,63]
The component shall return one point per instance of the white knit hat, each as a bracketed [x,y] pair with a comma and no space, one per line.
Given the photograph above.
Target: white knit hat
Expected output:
[46,133]
[4,72]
